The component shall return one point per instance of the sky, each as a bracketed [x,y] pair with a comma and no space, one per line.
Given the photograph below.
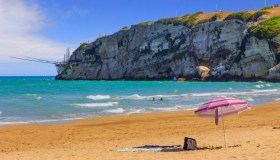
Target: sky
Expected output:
[46,28]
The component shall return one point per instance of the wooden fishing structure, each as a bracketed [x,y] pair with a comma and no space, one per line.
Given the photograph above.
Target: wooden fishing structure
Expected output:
[60,66]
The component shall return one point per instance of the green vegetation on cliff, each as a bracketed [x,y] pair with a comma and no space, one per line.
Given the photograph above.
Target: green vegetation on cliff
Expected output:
[257,15]
[266,8]
[243,16]
[211,19]
[267,29]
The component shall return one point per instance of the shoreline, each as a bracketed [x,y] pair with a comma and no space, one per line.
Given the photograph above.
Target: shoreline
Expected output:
[249,133]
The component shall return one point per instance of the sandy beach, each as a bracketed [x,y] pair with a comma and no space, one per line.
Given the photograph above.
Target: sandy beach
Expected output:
[250,135]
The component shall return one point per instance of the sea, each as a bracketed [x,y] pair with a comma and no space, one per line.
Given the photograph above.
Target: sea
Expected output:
[44,100]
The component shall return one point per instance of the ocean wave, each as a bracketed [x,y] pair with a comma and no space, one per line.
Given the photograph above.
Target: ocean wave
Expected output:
[252,92]
[236,93]
[137,111]
[249,99]
[137,96]
[13,123]
[47,121]
[259,86]
[0,113]
[96,105]
[117,110]
[165,109]
[31,95]
[99,97]
[36,96]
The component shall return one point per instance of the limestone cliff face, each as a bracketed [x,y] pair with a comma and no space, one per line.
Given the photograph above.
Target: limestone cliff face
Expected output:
[159,51]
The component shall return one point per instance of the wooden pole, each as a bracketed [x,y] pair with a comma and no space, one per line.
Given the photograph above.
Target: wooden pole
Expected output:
[225,138]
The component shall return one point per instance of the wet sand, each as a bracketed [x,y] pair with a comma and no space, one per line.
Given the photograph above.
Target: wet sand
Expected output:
[250,135]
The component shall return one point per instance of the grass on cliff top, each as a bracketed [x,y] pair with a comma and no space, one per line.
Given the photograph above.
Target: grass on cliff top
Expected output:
[215,17]
[267,29]
[243,16]
[186,20]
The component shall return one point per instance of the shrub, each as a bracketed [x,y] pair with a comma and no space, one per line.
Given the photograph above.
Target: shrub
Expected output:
[212,19]
[174,21]
[125,28]
[256,15]
[215,18]
[84,44]
[243,16]
[267,29]
[146,23]
[191,20]
[266,8]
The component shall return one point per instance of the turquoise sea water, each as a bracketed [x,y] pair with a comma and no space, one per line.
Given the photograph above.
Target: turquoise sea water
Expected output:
[25,100]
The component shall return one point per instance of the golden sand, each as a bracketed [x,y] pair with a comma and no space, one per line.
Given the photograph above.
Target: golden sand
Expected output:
[250,135]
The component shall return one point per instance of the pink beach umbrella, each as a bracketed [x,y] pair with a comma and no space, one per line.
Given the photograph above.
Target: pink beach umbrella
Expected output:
[220,107]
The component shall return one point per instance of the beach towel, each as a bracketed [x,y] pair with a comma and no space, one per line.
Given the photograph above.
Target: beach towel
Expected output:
[153,148]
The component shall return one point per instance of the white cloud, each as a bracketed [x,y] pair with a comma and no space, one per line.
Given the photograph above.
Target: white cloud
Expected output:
[20,22]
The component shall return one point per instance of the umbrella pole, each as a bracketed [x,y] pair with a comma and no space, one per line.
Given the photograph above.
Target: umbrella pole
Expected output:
[225,138]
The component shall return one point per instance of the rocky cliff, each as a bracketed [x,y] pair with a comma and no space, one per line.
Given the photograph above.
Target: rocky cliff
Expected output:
[159,51]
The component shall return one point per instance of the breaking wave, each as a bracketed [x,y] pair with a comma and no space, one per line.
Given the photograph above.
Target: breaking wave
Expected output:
[99,97]
[253,92]
[117,110]
[36,96]
[137,96]
[96,105]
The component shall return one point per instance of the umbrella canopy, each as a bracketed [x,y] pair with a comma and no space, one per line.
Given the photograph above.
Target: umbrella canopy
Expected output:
[220,107]
[225,106]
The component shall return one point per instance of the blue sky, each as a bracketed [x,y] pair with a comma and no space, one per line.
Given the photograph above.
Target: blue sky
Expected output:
[45,28]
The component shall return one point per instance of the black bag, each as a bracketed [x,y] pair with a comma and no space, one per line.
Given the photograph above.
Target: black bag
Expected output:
[190,144]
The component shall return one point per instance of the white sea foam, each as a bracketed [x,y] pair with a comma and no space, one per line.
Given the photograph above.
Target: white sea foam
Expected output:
[268,85]
[174,108]
[136,111]
[137,96]
[13,123]
[31,95]
[36,96]
[277,99]
[259,86]
[47,121]
[252,92]
[96,105]
[99,97]
[249,99]
[0,113]
[117,110]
